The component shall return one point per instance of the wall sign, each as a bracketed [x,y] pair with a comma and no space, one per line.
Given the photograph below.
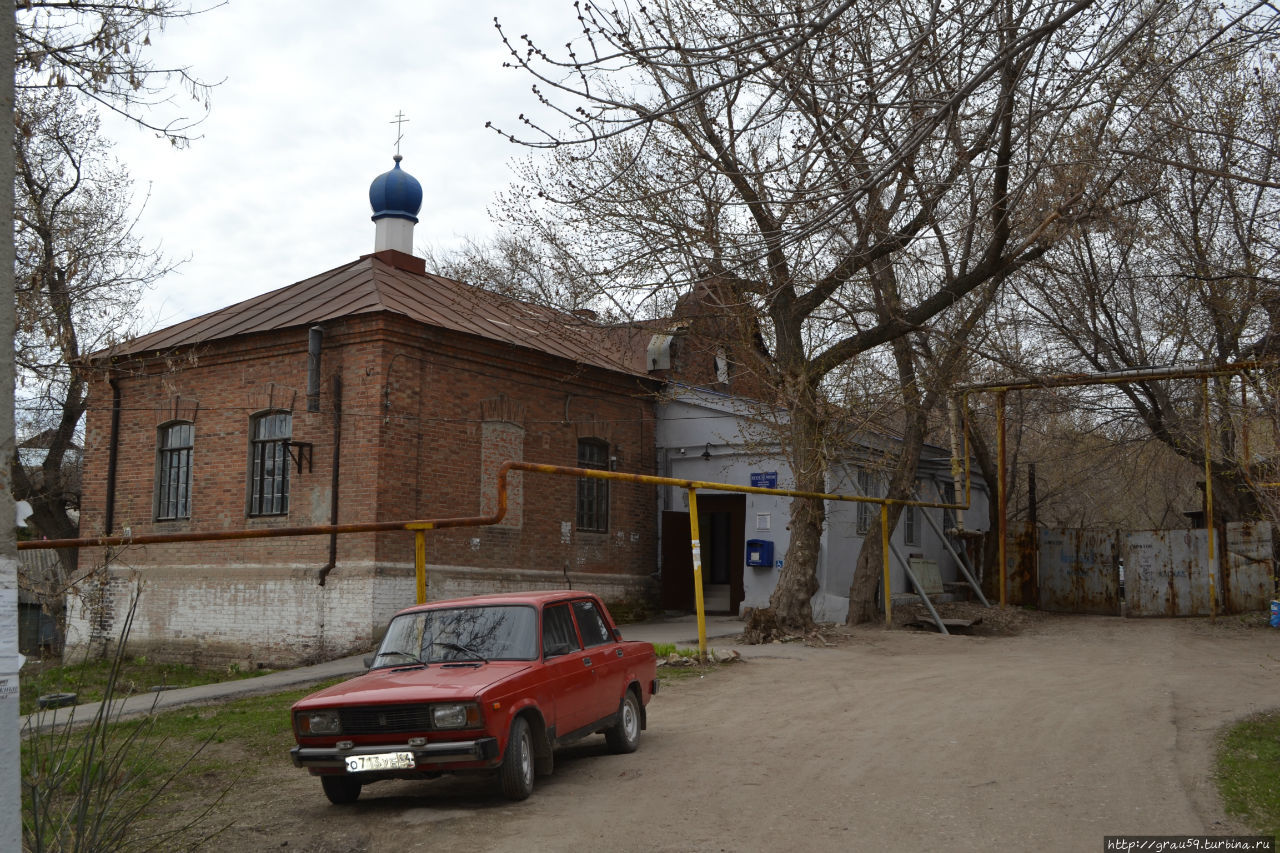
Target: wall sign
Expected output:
[764,479]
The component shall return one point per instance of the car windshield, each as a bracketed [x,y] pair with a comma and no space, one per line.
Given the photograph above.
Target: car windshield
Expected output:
[460,634]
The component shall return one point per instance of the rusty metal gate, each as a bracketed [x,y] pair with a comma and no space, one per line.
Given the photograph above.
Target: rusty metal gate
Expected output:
[1248,572]
[1167,572]
[1079,571]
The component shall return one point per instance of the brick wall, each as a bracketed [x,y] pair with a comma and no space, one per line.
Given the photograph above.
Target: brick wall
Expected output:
[423,419]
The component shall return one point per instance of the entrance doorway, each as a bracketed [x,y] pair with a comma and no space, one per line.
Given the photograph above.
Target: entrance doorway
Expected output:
[721,520]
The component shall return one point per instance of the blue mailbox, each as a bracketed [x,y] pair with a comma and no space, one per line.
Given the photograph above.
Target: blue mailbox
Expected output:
[760,553]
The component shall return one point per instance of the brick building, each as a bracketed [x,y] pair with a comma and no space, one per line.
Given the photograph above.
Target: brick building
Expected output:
[371,392]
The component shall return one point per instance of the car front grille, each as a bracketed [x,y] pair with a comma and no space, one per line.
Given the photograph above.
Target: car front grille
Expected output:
[379,719]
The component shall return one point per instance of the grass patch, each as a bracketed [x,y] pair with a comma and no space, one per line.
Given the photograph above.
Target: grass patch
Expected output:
[88,679]
[666,650]
[256,724]
[1249,772]
[178,764]
[687,667]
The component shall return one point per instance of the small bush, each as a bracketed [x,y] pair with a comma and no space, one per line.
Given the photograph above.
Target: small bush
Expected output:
[89,787]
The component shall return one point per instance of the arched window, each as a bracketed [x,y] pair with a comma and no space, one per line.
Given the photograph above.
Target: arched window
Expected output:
[593,495]
[173,470]
[269,463]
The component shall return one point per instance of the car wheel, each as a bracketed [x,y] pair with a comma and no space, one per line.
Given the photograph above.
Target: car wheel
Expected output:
[517,762]
[340,789]
[624,735]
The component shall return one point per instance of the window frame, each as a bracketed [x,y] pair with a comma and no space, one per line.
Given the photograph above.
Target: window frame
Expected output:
[582,606]
[948,494]
[258,446]
[567,609]
[165,482]
[591,508]
[911,520]
[867,486]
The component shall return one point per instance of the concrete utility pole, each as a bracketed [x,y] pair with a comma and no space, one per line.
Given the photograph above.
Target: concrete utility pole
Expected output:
[10,740]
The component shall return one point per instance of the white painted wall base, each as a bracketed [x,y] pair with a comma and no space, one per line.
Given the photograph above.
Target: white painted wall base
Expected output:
[279,616]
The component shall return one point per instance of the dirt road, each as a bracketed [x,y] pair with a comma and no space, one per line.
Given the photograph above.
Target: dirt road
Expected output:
[1078,728]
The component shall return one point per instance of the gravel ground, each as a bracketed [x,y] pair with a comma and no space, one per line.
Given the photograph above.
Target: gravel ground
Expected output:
[1047,734]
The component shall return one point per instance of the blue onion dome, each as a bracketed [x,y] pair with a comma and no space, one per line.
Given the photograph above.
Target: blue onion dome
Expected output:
[395,194]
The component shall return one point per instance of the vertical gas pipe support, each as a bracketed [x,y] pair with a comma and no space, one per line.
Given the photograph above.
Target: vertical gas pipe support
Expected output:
[697,575]
[884,552]
[1208,502]
[420,558]
[1002,498]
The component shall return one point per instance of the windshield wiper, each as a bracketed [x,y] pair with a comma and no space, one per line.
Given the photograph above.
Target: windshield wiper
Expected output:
[410,655]
[458,647]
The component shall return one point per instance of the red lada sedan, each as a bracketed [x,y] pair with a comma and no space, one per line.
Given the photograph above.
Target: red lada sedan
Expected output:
[491,684]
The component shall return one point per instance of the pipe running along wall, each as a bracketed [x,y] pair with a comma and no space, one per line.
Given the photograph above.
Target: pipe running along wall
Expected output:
[418,526]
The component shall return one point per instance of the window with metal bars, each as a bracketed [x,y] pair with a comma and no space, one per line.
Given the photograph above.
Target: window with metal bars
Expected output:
[948,515]
[269,463]
[911,519]
[173,471]
[867,488]
[593,495]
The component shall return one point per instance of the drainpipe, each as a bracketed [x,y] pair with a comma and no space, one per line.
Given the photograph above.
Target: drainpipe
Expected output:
[315,338]
[113,456]
[333,486]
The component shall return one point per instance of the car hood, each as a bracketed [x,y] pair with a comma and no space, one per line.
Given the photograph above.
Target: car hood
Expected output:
[433,683]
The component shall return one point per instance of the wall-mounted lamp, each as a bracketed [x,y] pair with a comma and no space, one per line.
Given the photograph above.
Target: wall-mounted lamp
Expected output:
[706,453]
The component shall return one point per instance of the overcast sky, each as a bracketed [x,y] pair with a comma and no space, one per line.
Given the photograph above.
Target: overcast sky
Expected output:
[276,188]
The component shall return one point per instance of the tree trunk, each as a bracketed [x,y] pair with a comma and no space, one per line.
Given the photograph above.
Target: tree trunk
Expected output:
[798,580]
[869,568]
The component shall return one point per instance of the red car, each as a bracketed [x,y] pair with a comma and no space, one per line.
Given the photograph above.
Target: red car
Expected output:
[492,683]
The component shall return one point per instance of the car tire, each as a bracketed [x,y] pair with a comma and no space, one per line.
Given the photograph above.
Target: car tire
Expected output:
[516,774]
[624,735]
[341,790]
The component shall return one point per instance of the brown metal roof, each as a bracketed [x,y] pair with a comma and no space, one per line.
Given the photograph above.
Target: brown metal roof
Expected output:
[387,282]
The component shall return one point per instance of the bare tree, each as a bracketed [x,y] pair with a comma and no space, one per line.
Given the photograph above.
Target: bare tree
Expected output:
[80,273]
[853,172]
[534,268]
[98,49]
[1187,272]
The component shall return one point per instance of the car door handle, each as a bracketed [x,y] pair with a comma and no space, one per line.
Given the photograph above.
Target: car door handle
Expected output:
[618,652]
[586,661]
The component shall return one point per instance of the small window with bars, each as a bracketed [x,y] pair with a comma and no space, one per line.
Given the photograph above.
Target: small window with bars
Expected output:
[269,463]
[948,515]
[866,488]
[912,519]
[173,471]
[593,495]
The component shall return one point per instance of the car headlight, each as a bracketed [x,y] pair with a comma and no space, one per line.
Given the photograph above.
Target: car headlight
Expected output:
[318,723]
[455,715]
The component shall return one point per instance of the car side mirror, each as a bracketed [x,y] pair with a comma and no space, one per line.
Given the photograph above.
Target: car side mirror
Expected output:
[617,634]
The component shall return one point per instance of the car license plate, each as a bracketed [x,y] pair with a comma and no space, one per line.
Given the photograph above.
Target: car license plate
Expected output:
[380,761]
